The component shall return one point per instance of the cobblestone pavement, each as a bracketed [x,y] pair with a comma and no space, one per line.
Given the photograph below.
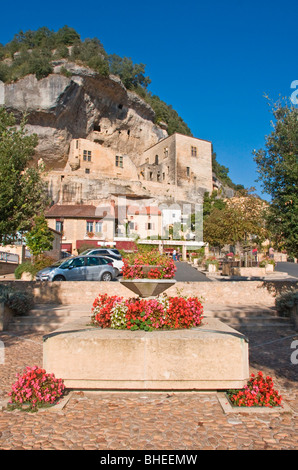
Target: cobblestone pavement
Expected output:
[153,421]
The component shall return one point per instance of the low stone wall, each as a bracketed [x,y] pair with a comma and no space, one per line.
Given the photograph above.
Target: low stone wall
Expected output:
[216,292]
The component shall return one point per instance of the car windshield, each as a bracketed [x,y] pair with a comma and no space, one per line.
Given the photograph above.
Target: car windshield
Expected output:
[66,264]
[85,252]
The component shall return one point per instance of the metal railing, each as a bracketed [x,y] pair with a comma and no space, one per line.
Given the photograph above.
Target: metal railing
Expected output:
[9,257]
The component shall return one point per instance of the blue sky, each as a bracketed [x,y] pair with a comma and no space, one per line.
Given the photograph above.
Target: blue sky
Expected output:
[212,61]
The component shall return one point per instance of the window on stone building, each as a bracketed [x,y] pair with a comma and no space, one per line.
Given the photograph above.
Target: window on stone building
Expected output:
[149,226]
[87,171]
[59,226]
[119,161]
[98,227]
[89,226]
[194,151]
[187,171]
[166,152]
[156,159]
[87,155]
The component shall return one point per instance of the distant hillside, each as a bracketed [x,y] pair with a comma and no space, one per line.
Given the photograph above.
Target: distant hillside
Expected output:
[33,52]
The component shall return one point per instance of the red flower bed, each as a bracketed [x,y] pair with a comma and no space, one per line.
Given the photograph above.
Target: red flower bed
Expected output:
[259,391]
[162,266]
[34,389]
[147,314]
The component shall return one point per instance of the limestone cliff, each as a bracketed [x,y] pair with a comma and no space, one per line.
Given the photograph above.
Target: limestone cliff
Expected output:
[81,104]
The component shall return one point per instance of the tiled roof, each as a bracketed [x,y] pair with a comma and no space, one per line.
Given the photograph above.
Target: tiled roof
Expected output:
[81,211]
[76,211]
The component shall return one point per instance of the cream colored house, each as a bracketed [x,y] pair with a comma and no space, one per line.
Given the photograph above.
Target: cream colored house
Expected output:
[80,225]
[144,222]
[95,225]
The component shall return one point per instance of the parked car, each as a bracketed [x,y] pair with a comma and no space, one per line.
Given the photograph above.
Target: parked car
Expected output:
[79,268]
[117,263]
[113,252]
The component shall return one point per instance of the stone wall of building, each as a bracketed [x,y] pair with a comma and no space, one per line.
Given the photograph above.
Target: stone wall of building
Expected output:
[87,157]
[194,162]
[179,160]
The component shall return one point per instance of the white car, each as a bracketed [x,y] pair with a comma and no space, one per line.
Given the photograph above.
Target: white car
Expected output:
[112,252]
[117,264]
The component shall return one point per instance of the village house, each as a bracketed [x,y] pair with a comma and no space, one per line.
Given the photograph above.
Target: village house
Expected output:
[177,161]
[90,225]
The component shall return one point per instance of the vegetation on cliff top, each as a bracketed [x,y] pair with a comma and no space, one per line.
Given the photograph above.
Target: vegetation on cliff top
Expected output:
[33,52]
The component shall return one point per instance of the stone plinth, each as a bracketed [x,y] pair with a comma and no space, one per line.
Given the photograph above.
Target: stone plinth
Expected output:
[249,272]
[210,357]
[147,287]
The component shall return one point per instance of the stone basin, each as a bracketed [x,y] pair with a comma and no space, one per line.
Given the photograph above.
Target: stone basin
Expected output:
[148,287]
[212,356]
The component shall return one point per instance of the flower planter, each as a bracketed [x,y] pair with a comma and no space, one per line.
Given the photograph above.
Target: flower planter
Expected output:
[228,407]
[148,287]
[212,268]
[269,268]
[212,356]
[249,272]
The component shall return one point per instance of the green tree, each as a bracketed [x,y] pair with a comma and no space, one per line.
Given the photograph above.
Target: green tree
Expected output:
[278,172]
[40,63]
[212,201]
[132,75]
[22,191]
[67,36]
[40,237]
[214,228]
[241,220]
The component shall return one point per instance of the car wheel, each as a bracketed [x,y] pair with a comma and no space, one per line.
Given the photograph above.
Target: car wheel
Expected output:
[106,277]
[59,278]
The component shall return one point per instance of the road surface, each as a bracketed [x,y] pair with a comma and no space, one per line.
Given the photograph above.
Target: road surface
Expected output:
[290,268]
[186,273]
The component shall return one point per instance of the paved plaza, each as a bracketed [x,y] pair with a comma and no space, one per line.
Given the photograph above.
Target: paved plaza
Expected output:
[126,421]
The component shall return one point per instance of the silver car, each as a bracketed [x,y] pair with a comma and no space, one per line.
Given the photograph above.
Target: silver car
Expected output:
[78,268]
